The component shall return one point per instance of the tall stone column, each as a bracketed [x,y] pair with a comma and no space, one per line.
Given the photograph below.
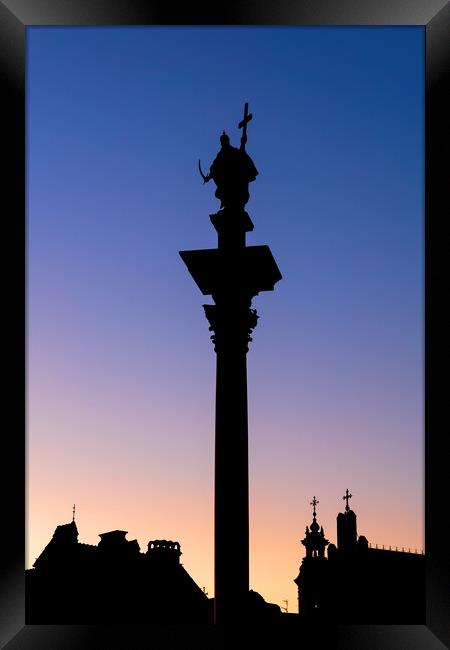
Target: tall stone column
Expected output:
[232,274]
[231,322]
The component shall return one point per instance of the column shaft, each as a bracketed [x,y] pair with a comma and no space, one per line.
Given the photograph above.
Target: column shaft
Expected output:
[231,484]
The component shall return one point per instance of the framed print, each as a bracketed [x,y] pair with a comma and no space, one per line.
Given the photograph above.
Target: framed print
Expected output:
[107,111]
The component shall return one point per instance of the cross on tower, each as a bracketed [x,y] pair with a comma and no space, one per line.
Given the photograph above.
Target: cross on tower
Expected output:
[346,498]
[313,503]
[243,125]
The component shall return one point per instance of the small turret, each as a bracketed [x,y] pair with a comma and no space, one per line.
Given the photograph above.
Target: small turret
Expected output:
[164,551]
[314,541]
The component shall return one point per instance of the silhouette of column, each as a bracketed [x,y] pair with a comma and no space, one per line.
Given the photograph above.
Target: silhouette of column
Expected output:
[232,274]
[231,321]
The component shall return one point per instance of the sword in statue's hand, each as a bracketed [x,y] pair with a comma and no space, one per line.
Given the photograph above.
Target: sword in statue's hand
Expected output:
[205,178]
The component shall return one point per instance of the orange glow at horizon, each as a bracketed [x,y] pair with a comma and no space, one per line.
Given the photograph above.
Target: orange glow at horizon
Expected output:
[187,516]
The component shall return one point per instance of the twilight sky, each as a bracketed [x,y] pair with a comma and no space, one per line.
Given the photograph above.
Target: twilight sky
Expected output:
[121,370]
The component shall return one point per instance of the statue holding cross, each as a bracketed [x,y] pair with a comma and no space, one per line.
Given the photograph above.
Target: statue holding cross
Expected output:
[232,170]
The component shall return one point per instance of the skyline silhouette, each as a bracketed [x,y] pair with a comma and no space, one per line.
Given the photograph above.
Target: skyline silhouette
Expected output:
[115,581]
[116,337]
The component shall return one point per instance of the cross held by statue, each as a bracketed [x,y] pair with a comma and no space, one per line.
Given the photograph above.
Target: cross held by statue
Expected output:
[243,125]
[346,497]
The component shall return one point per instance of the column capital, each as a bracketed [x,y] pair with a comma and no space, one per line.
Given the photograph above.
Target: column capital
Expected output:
[231,325]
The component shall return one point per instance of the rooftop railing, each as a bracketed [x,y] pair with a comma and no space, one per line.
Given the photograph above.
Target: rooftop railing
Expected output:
[399,549]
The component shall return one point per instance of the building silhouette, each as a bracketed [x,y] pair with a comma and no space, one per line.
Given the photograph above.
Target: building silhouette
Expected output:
[113,582]
[356,583]
[71,582]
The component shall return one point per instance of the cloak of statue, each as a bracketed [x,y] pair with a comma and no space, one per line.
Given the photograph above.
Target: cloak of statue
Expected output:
[232,170]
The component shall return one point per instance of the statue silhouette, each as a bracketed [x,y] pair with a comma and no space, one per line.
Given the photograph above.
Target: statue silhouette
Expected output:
[232,170]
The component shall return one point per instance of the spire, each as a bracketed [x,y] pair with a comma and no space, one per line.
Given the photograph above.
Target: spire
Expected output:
[313,503]
[314,526]
[346,497]
[73,513]
[314,540]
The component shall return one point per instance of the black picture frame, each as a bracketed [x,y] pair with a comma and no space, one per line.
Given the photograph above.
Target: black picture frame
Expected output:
[15,17]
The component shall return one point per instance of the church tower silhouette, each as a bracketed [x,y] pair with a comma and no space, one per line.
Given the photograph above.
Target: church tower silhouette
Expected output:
[355,582]
[346,527]
[311,580]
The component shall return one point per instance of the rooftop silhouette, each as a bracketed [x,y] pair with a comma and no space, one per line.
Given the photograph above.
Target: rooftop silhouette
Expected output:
[354,583]
[114,582]
[72,582]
